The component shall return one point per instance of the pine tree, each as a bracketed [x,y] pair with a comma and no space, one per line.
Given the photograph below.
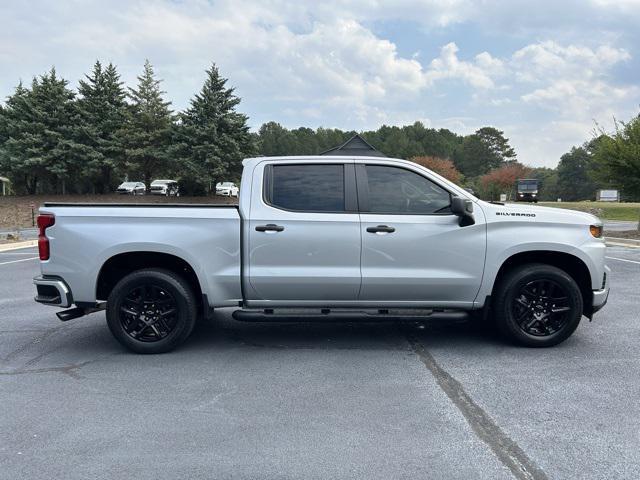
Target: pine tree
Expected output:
[212,138]
[14,161]
[101,107]
[146,133]
[39,125]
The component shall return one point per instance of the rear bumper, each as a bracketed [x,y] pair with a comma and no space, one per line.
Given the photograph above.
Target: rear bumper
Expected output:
[601,296]
[52,291]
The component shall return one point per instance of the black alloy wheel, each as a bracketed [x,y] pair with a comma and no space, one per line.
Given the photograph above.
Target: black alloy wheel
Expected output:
[537,305]
[541,308]
[148,313]
[151,311]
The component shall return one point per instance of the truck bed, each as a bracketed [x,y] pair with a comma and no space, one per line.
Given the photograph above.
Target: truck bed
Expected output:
[86,236]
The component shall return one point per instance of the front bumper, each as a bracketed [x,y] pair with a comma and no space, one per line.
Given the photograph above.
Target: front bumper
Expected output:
[52,291]
[601,296]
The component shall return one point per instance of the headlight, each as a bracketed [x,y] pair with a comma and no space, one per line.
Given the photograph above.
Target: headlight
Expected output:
[596,230]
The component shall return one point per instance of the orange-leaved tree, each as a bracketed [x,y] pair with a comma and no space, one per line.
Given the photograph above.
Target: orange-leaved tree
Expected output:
[502,180]
[442,166]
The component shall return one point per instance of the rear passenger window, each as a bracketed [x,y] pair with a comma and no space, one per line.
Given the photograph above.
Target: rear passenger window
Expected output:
[315,188]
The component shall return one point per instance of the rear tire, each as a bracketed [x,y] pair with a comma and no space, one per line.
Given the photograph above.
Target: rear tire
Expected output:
[537,305]
[151,311]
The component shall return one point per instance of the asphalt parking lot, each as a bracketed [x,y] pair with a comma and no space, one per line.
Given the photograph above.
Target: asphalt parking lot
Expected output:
[433,399]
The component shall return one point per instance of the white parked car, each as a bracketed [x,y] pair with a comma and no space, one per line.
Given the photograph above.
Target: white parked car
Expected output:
[227,189]
[168,188]
[131,188]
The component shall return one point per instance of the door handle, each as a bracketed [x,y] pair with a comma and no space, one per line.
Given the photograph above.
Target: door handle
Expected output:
[269,227]
[381,229]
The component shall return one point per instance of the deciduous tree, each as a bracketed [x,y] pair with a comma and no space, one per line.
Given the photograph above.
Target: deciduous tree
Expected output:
[442,166]
[485,150]
[574,180]
[617,158]
[502,180]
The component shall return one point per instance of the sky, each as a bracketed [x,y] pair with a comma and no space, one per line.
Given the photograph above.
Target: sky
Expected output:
[547,73]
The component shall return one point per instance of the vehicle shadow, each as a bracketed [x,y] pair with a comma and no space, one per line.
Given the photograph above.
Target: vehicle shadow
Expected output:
[223,331]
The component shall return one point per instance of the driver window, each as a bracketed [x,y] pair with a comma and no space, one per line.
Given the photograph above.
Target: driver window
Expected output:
[400,191]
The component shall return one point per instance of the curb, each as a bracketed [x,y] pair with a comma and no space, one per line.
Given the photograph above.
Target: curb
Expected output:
[5,247]
[623,240]
[622,244]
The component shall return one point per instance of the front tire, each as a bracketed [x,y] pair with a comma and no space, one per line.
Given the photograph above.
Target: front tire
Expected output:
[151,311]
[537,305]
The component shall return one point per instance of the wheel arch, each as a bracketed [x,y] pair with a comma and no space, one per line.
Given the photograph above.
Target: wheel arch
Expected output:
[575,267]
[119,265]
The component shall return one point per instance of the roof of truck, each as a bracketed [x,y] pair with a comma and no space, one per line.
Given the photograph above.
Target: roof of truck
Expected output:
[315,158]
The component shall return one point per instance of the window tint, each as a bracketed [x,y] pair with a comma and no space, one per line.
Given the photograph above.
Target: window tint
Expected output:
[396,190]
[308,187]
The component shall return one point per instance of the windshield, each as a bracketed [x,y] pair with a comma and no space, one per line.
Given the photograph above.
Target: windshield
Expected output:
[128,185]
[160,182]
[530,185]
[226,184]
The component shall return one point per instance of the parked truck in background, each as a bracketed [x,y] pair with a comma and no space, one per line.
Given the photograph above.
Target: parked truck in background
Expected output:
[527,190]
[324,236]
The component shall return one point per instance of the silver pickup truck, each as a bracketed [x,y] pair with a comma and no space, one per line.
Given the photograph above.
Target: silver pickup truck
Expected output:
[326,236]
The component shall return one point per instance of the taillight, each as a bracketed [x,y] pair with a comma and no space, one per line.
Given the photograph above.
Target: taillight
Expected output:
[44,221]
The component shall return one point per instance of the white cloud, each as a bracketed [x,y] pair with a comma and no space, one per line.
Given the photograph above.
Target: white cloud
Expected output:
[449,66]
[540,61]
[573,81]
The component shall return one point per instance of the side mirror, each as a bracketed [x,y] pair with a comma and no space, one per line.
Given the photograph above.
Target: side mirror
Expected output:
[463,208]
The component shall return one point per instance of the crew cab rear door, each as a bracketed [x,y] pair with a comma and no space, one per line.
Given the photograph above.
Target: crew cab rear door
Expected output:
[413,248]
[303,233]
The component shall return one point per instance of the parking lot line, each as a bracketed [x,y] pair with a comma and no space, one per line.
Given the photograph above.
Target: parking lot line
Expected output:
[16,253]
[16,261]
[624,260]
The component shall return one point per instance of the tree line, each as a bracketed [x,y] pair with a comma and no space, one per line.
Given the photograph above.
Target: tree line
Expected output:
[56,140]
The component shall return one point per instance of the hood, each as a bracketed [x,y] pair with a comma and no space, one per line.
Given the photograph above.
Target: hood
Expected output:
[529,213]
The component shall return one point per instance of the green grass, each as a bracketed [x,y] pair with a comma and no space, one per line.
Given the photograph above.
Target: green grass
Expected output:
[605,210]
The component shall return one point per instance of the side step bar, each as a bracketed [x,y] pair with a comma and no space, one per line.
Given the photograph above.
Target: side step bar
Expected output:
[328,315]
[73,313]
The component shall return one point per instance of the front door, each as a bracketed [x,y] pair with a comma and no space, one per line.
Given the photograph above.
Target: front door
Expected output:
[413,248]
[304,234]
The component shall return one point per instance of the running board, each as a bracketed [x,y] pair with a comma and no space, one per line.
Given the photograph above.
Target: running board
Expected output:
[329,315]
[77,312]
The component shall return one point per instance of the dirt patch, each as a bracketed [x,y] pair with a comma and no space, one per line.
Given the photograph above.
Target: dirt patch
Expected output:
[16,212]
